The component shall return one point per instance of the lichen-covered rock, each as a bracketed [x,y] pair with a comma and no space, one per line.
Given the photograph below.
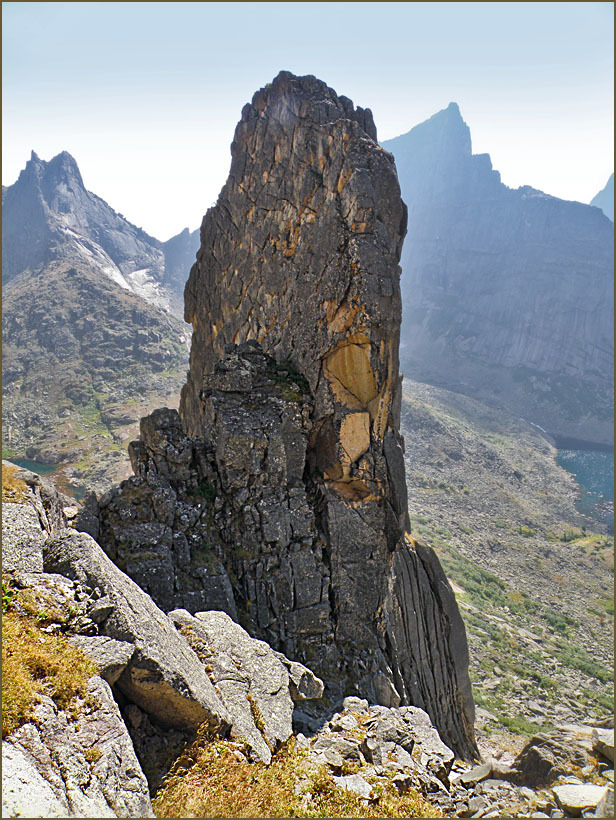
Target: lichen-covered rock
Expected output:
[301,254]
[163,676]
[110,656]
[80,766]
[252,681]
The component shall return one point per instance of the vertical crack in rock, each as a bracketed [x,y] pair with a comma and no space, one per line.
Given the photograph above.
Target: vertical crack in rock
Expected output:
[290,420]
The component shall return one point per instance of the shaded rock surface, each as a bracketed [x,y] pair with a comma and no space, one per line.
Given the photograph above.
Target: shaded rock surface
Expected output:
[55,766]
[508,294]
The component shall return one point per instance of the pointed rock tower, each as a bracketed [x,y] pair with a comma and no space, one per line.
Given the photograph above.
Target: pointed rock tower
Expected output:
[278,494]
[300,254]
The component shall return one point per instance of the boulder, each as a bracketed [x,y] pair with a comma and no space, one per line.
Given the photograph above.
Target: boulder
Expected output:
[164,676]
[546,756]
[574,798]
[82,765]
[252,682]
[354,783]
[603,742]
[110,656]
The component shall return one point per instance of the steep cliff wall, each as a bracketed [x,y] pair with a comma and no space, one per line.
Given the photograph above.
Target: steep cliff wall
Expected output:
[294,395]
[508,294]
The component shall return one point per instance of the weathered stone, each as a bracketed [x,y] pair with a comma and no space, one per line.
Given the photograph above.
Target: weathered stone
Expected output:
[25,792]
[298,438]
[354,783]
[303,684]
[252,682]
[110,656]
[545,757]
[574,798]
[603,742]
[88,763]
[476,774]
[22,538]
[87,518]
[164,676]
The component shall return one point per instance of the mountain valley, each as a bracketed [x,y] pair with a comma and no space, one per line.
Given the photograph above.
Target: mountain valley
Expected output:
[289,576]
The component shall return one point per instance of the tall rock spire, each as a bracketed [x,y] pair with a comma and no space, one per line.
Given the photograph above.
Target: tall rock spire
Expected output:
[300,254]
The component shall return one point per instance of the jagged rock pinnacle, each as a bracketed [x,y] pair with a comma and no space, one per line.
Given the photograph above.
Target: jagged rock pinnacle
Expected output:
[300,254]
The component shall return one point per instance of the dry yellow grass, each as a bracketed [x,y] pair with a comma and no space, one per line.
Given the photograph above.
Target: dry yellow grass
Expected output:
[36,663]
[209,781]
[13,489]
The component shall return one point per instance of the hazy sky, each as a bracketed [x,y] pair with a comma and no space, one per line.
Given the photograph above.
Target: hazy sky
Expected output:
[146,96]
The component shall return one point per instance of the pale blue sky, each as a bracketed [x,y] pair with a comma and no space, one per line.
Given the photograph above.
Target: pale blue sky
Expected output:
[146,95]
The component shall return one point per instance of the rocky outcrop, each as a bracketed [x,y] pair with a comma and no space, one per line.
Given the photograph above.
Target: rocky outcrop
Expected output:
[79,765]
[292,448]
[164,676]
[508,294]
[252,682]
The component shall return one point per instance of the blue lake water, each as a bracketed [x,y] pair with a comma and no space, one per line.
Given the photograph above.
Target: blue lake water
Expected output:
[47,469]
[594,472]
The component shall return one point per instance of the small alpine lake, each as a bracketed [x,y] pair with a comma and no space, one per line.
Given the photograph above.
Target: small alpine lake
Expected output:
[594,472]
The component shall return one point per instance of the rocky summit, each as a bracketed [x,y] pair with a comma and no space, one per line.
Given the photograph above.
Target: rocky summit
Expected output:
[279,490]
[508,294]
[91,328]
[48,215]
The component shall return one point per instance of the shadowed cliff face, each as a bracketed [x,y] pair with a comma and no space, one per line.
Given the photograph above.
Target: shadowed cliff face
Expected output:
[300,254]
[508,294]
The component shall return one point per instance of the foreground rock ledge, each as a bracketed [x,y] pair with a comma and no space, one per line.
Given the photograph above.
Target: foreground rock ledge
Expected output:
[298,457]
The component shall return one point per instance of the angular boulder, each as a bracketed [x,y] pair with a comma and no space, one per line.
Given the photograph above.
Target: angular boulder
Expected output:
[164,676]
[252,681]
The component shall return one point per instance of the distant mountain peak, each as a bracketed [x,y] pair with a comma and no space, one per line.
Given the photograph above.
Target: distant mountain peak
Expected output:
[444,134]
[605,199]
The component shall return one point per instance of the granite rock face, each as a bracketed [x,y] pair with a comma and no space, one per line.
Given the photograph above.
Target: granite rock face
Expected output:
[507,294]
[291,418]
[61,766]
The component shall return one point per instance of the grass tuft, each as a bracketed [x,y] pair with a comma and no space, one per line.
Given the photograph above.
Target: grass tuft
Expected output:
[13,488]
[35,663]
[212,780]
